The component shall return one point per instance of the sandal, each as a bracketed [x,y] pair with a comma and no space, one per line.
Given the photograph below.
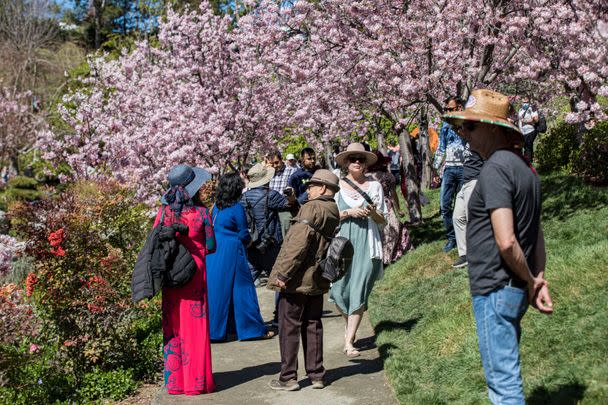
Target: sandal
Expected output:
[351,352]
[269,334]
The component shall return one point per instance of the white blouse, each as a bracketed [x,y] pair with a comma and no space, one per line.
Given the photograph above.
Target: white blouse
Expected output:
[355,200]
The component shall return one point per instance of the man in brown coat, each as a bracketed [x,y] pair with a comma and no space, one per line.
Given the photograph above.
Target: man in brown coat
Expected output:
[297,276]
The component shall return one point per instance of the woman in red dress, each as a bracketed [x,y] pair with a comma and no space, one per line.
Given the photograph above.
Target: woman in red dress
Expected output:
[187,345]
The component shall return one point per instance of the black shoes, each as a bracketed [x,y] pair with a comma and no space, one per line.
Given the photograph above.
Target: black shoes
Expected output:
[460,262]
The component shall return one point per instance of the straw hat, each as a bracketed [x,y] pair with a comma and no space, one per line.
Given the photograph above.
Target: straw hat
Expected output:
[485,106]
[325,177]
[356,149]
[259,175]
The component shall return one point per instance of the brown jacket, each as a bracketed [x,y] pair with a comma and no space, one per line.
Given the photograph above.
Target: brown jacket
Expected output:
[297,264]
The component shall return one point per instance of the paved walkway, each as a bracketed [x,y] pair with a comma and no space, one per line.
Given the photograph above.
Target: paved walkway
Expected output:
[242,370]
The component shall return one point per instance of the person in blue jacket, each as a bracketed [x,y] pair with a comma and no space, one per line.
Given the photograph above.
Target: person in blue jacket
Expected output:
[233,302]
[264,205]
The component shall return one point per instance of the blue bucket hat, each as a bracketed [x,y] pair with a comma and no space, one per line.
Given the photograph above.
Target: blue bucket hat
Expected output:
[191,178]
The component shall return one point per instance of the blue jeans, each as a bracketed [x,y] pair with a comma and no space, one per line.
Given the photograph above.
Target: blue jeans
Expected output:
[450,185]
[498,316]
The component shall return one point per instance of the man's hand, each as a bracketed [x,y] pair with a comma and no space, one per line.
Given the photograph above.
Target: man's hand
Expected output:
[542,301]
[280,284]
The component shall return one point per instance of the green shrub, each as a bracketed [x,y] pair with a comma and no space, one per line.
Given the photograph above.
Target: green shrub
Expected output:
[590,160]
[35,378]
[22,182]
[116,385]
[19,188]
[84,243]
[556,148]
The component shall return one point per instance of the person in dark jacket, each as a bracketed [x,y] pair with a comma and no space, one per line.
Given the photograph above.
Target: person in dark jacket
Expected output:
[299,278]
[264,204]
[298,181]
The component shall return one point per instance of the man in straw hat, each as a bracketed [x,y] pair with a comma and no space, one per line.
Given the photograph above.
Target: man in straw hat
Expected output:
[298,277]
[506,247]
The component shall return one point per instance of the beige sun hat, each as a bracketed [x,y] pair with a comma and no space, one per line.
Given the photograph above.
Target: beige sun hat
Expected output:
[485,106]
[356,149]
[325,177]
[259,175]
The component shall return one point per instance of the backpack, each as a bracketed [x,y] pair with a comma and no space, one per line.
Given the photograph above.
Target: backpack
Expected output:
[541,125]
[251,228]
[262,239]
[338,257]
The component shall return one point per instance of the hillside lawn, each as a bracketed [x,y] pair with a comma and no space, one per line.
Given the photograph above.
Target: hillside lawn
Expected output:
[424,323]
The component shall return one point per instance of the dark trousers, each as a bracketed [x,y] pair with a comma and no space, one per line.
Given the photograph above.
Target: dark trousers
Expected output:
[450,185]
[300,315]
[529,145]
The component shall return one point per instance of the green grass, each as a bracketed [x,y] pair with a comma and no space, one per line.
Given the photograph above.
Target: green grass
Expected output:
[425,329]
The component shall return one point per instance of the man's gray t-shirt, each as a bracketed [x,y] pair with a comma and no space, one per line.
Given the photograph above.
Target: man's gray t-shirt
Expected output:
[505,181]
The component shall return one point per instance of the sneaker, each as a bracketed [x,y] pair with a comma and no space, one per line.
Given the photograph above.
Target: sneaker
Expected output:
[318,384]
[449,246]
[291,385]
[460,262]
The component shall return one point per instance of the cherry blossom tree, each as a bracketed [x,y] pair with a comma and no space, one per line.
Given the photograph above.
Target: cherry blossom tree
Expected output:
[194,97]
[212,91]
[389,60]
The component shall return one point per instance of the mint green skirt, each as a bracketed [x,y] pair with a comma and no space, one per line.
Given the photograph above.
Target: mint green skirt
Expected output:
[352,291]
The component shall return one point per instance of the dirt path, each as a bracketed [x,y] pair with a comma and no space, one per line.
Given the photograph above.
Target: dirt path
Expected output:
[242,370]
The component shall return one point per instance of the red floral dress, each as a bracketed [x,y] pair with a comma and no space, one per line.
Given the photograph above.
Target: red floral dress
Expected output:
[187,346]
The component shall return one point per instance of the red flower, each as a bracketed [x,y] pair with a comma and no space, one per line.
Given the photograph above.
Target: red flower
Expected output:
[58,251]
[30,284]
[55,238]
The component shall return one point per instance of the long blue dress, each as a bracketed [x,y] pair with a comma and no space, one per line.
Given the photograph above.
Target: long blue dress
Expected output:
[233,302]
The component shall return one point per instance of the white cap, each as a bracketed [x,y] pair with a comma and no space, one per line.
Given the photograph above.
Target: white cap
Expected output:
[290,156]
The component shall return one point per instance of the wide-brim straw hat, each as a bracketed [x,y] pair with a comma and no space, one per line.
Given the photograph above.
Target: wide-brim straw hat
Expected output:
[325,177]
[259,175]
[485,106]
[191,178]
[356,149]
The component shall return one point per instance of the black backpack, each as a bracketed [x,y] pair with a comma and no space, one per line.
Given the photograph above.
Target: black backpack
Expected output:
[541,125]
[253,231]
[338,257]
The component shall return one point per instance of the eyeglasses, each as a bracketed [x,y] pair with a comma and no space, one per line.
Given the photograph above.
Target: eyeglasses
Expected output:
[354,159]
[450,108]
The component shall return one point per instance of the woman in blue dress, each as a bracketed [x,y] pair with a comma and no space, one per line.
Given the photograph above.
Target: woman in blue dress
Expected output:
[233,303]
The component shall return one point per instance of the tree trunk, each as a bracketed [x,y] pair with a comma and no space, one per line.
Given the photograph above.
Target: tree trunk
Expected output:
[409,170]
[98,7]
[425,149]
[328,152]
[381,142]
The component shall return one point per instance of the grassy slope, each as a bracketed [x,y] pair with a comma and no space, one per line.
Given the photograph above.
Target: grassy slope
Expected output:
[425,327]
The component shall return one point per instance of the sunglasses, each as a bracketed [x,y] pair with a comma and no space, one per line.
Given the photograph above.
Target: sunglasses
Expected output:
[353,159]
[467,125]
[450,108]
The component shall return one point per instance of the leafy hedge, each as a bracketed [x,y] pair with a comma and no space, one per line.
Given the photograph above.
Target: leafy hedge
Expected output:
[562,150]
